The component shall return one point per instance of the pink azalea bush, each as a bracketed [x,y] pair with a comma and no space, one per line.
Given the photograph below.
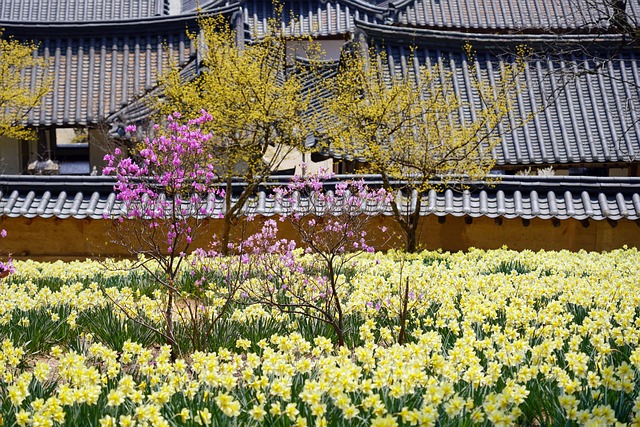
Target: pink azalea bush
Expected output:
[332,228]
[167,195]
[331,221]
[170,178]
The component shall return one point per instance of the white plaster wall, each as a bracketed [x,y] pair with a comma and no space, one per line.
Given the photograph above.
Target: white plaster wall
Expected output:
[295,160]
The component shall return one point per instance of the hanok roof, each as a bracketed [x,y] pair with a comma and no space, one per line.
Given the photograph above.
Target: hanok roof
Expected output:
[513,197]
[105,55]
[142,107]
[76,11]
[310,17]
[513,15]
[80,10]
[586,111]
[98,66]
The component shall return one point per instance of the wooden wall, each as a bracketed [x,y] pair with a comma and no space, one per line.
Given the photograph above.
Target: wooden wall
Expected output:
[54,238]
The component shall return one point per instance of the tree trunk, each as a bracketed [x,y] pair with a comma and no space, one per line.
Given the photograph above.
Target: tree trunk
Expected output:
[410,227]
[412,243]
[408,221]
[404,314]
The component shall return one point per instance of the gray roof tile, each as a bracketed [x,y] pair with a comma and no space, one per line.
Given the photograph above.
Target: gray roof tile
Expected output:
[97,69]
[310,17]
[513,197]
[142,107]
[518,15]
[93,77]
[189,6]
[80,10]
[105,55]
[590,113]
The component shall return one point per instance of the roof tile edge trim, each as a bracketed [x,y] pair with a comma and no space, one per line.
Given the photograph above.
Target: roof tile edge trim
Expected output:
[559,198]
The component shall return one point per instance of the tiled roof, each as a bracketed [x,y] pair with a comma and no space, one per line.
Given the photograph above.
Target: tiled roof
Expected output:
[586,113]
[190,6]
[105,55]
[518,15]
[93,77]
[310,17]
[97,68]
[329,17]
[142,107]
[513,197]
[311,79]
[80,10]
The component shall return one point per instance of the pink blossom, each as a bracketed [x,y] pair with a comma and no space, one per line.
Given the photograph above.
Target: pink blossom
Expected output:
[142,185]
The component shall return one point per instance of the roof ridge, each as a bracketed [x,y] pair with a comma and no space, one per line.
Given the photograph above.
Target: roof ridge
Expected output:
[361,4]
[117,22]
[416,33]
[524,197]
[87,180]
[558,16]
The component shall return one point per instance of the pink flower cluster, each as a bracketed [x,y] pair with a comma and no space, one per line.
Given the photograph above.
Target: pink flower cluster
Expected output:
[331,221]
[170,178]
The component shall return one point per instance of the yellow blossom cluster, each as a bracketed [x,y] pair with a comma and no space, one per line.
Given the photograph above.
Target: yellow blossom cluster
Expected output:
[493,337]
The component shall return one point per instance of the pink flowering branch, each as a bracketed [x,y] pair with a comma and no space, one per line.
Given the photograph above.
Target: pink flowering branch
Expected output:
[167,194]
[332,226]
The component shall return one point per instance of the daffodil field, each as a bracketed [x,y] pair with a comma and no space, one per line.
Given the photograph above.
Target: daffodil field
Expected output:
[492,337]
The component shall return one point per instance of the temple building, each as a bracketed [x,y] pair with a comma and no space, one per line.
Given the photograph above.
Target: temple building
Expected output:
[570,174]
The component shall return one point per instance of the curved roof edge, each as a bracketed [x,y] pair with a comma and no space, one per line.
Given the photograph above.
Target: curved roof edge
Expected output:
[53,29]
[362,5]
[559,17]
[403,33]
